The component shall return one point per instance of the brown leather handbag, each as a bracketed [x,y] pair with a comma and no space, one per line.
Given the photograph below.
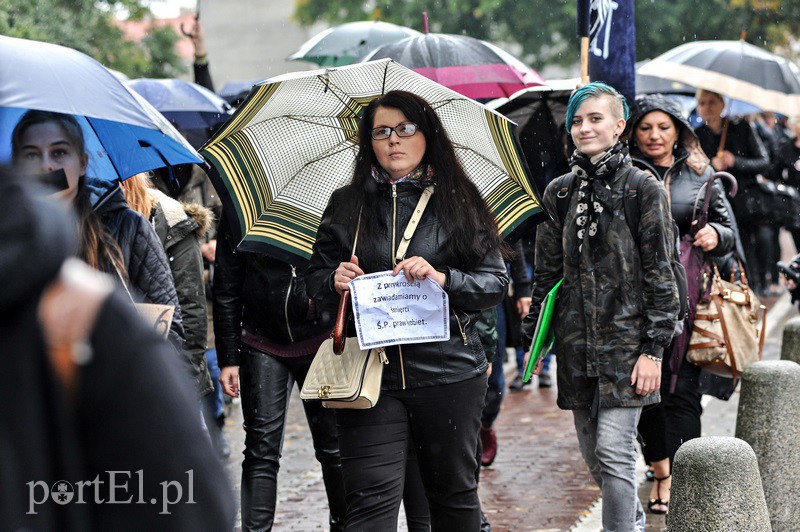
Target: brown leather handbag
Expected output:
[726,337]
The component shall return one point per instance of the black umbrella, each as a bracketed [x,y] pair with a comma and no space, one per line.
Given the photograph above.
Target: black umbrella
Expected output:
[540,112]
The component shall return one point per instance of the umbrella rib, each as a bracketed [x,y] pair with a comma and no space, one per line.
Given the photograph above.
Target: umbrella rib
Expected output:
[329,86]
[329,153]
[297,118]
[467,148]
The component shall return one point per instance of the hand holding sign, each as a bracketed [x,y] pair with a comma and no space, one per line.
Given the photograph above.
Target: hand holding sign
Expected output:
[346,272]
[391,309]
[419,268]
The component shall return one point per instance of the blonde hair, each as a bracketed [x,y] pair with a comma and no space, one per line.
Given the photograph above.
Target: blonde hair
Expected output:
[702,92]
[138,195]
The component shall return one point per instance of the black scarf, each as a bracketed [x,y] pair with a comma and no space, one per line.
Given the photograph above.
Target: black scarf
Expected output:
[594,208]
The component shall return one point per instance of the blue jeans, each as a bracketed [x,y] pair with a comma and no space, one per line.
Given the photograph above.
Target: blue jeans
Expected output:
[215,403]
[497,381]
[608,446]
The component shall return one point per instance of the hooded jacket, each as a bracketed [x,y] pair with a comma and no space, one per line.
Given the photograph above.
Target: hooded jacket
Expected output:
[685,180]
[149,277]
[469,290]
[607,313]
[180,228]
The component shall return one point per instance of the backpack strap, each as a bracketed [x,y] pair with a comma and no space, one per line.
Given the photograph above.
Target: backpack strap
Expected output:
[633,183]
[564,187]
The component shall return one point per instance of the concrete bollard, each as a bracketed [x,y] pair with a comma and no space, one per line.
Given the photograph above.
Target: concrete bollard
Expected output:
[790,348]
[716,487]
[769,420]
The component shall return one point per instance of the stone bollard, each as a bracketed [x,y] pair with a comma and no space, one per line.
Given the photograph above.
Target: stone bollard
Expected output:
[790,348]
[716,488]
[769,420]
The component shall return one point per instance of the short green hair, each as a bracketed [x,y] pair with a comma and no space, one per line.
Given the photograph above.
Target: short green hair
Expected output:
[597,89]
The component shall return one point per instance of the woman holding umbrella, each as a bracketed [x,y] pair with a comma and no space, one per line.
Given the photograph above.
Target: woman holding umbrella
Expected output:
[734,146]
[432,393]
[663,143]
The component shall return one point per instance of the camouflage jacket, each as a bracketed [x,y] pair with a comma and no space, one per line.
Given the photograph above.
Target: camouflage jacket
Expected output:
[607,314]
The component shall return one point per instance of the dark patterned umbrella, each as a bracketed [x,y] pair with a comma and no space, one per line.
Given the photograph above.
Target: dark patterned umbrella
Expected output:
[733,68]
[477,69]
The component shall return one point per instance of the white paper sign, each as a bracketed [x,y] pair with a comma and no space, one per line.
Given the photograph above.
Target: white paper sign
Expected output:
[390,310]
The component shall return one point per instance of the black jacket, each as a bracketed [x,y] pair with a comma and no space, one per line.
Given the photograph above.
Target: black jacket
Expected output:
[469,291]
[149,277]
[261,295]
[786,165]
[751,157]
[115,420]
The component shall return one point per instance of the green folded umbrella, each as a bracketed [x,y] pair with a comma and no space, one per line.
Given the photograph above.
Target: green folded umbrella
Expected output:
[544,335]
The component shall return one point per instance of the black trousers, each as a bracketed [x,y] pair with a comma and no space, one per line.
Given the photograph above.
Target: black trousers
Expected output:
[266,383]
[442,423]
[758,241]
[664,427]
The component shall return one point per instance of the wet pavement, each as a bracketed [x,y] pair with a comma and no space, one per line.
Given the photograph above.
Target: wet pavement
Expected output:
[537,482]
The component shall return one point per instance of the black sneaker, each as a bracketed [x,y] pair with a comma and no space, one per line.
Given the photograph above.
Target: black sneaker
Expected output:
[545,381]
[517,384]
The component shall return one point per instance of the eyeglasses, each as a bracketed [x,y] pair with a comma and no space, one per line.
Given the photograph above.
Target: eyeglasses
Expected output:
[407,129]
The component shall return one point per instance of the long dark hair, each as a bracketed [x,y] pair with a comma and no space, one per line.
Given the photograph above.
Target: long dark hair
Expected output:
[471,229]
[98,247]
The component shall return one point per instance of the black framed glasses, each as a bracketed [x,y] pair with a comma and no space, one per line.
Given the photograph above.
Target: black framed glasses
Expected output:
[407,129]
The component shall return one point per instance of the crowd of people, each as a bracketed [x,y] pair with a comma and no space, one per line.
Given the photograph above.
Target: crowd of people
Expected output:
[254,323]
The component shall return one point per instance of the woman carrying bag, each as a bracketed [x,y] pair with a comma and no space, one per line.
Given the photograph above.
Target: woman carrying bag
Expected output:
[663,144]
[432,393]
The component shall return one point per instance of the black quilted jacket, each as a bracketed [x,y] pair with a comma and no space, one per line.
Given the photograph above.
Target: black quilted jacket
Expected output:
[149,277]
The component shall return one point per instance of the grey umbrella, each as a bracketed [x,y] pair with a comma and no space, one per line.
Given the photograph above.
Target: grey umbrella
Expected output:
[345,44]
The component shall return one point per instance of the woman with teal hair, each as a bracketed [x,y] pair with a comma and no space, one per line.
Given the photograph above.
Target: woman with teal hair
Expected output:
[618,304]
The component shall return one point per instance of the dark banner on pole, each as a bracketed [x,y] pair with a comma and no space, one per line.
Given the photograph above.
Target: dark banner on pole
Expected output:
[612,47]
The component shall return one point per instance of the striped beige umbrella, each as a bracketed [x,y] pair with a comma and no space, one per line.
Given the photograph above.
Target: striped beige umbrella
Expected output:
[293,142]
[735,69]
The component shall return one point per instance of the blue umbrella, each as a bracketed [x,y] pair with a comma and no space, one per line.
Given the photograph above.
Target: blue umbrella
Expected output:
[189,105]
[125,134]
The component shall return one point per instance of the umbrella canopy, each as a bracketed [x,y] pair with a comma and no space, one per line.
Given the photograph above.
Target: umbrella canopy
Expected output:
[294,141]
[345,44]
[541,113]
[195,109]
[653,85]
[733,68]
[477,69]
[133,136]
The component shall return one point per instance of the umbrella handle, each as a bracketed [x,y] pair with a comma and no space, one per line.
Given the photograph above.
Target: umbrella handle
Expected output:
[341,322]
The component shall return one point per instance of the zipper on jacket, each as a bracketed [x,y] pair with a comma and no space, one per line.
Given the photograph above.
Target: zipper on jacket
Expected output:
[460,328]
[382,355]
[286,304]
[394,263]
[394,224]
